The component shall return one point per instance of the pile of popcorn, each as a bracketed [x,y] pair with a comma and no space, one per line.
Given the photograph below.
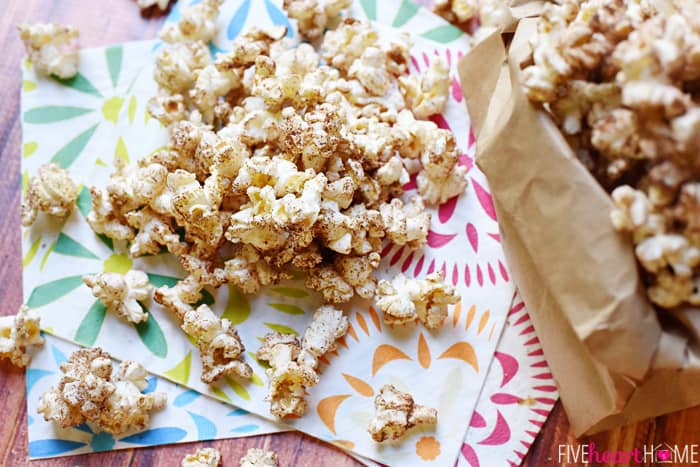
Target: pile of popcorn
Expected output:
[281,157]
[284,157]
[622,81]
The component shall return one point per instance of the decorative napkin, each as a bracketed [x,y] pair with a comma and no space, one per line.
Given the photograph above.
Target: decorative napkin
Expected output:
[86,123]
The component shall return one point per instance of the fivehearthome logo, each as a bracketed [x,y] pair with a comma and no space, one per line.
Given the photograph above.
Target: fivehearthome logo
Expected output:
[662,453]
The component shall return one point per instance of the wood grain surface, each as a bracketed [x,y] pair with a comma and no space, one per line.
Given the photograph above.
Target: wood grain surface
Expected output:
[104,22]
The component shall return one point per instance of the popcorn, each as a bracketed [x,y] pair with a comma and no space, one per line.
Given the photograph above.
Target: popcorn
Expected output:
[52,48]
[259,458]
[370,70]
[313,16]
[220,347]
[406,224]
[18,333]
[616,77]
[396,413]
[121,293]
[167,109]
[275,161]
[51,191]
[105,218]
[489,13]
[144,4]
[204,457]
[293,366]
[427,95]
[176,65]
[343,45]
[154,232]
[404,300]
[197,23]
[88,392]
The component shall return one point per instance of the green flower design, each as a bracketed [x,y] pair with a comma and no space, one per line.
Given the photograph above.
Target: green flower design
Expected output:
[107,109]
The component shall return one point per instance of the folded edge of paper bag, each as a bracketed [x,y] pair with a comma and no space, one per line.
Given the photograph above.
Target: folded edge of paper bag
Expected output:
[578,277]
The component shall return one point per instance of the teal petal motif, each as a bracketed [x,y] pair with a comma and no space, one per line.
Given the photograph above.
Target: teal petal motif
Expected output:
[91,325]
[67,246]
[70,152]
[370,7]
[114,62]
[47,293]
[102,442]
[53,113]
[152,336]
[443,34]
[79,83]
[407,11]
[84,202]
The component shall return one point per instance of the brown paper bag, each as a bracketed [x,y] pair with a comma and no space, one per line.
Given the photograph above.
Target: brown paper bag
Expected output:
[614,361]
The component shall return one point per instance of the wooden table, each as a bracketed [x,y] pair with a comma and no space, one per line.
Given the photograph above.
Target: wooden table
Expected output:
[103,22]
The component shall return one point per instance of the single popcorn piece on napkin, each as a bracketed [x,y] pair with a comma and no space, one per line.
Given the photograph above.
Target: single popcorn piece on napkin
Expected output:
[205,457]
[427,94]
[144,4]
[51,191]
[52,48]
[293,367]
[197,23]
[121,293]
[256,457]
[220,347]
[19,333]
[314,16]
[404,300]
[396,413]
[89,392]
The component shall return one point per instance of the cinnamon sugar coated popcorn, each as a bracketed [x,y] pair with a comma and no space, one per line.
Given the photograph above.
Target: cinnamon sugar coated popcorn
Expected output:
[18,334]
[281,158]
[256,457]
[51,191]
[121,293]
[205,457]
[162,4]
[89,391]
[52,48]
[293,366]
[620,79]
[220,347]
[395,413]
[488,13]
[405,300]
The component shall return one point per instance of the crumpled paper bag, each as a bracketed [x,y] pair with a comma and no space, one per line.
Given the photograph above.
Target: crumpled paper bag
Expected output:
[615,359]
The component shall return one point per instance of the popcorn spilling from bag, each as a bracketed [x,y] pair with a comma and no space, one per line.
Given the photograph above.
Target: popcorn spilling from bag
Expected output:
[621,79]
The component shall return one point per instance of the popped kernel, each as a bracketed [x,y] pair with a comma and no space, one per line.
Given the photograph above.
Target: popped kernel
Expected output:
[51,191]
[19,333]
[204,457]
[52,48]
[121,293]
[396,413]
